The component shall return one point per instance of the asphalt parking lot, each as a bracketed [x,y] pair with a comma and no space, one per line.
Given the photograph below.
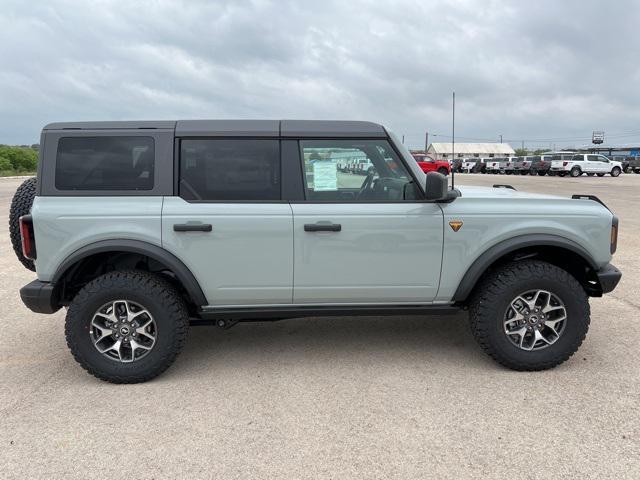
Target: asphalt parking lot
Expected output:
[340,398]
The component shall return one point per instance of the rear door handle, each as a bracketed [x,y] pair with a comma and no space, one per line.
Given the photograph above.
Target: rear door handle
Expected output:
[322,227]
[192,227]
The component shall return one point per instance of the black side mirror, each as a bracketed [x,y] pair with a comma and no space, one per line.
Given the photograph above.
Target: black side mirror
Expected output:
[436,186]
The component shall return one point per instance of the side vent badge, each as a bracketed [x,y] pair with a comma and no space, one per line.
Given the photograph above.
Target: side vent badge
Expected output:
[455,225]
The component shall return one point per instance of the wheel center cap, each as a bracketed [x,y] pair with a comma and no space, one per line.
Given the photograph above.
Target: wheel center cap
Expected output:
[124,330]
[533,319]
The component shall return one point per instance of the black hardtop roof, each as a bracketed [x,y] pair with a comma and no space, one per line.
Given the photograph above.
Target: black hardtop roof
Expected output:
[235,128]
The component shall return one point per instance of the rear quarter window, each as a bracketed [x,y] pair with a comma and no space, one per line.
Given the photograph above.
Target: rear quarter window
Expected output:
[105,163]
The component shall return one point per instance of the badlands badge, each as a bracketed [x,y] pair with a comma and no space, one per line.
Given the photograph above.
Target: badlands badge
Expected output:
[455,225]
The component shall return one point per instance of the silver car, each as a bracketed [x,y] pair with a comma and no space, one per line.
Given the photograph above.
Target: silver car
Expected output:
[141,229]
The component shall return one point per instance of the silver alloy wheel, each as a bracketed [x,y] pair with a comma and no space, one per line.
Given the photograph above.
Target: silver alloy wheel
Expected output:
[123,331]
[535,319]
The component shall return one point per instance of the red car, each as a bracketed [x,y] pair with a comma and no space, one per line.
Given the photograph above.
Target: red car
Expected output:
[428,164]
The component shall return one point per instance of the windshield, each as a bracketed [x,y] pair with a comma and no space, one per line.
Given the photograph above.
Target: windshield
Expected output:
[408,158]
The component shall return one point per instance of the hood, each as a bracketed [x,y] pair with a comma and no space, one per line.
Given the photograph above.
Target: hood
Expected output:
[503,193]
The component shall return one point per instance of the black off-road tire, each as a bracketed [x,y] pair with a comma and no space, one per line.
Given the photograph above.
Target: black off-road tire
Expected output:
[21,205]
[157,295]
[491,300]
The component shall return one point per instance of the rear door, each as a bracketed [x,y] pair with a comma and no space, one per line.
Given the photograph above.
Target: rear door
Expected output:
[362,240]
[593,164]
[229,224]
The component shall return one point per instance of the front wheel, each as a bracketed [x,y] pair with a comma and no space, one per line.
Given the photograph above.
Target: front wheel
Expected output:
[542,173]
[590,174]
[615,171]
[600,174]
[529,315]
[575,172]
[443,171]
[126,326]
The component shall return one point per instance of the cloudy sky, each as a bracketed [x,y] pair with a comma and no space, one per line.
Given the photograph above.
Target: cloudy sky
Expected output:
[547,72]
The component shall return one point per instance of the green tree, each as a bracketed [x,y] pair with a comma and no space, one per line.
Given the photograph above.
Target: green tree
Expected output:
[21,159]
[521,152]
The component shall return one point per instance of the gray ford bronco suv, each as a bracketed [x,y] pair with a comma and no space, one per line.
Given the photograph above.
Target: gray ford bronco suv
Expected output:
[140,229]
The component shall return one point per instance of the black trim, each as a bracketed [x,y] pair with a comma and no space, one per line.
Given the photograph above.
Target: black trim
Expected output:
[182,273]
[608,276]
[291,168]
[589,197]
[484,261]
[503,185]
[278,313]
[41,297]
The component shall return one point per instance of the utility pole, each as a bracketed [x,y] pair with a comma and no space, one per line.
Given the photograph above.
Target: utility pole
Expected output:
[403,139]
[453,136]
[522,144]
[500,138]
[426,141]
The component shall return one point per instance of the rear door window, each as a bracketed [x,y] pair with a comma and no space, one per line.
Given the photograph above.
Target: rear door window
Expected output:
[230,170]
[105,163]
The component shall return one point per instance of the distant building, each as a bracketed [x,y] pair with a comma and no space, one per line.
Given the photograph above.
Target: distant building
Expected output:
[443,151]
[625,150]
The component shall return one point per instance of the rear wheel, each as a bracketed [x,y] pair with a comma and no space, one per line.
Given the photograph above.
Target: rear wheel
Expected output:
[562,174]
[600,174]
[575,172]
[542,173]
[530,315]
[126,326]
[590,174]
[21,205]
[443,171]
[615,171]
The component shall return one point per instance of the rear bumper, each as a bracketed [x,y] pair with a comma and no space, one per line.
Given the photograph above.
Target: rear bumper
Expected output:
[609,276]
[40,297]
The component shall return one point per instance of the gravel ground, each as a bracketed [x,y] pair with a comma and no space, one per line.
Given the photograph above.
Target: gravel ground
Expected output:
[374,397]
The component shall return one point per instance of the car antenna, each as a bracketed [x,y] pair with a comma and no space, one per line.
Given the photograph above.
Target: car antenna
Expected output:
[453,142]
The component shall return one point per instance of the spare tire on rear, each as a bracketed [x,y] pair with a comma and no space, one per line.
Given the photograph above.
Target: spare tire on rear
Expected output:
[21,205]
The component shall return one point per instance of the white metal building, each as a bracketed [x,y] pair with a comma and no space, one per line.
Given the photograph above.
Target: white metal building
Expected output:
[442,151]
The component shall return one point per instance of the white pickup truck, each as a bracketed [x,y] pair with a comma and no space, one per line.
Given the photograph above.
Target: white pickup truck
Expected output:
[590,164]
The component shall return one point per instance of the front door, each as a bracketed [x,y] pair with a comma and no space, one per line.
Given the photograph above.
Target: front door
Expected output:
[363,239]
[229,225]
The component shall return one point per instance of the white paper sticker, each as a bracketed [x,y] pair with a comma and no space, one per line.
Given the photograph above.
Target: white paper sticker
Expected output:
[325,176]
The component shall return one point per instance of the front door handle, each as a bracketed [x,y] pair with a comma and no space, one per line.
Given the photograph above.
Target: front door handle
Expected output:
[322,227]
[192,227]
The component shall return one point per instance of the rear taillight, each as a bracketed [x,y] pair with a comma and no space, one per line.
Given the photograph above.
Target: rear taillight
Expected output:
[27,237]
[564,164]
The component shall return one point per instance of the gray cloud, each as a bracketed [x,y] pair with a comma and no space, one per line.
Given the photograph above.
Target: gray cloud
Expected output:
[543,70]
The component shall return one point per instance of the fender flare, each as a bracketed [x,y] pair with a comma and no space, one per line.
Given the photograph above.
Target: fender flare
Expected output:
[182,272]
[489,256]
